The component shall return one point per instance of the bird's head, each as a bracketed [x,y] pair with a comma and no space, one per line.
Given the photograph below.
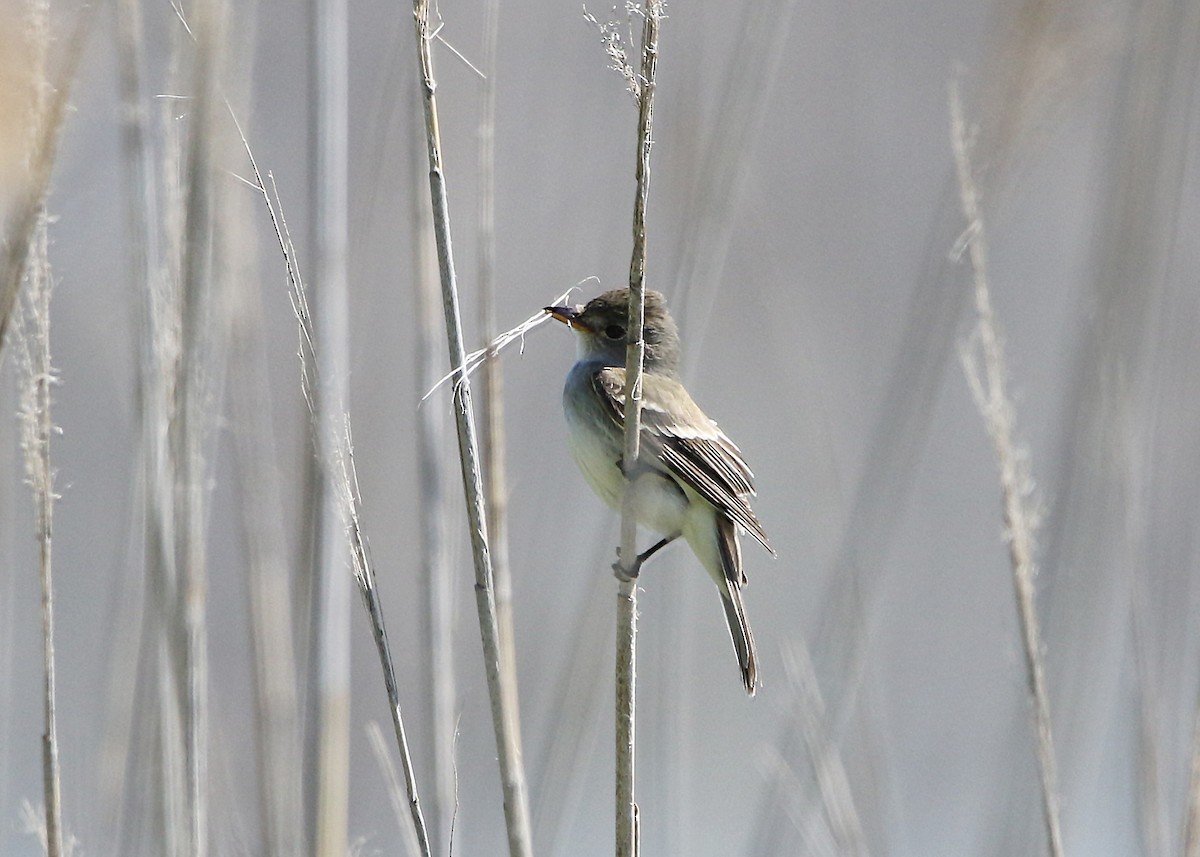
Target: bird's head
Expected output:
[603,323]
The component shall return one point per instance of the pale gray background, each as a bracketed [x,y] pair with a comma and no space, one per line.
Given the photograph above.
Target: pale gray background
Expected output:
[824,342]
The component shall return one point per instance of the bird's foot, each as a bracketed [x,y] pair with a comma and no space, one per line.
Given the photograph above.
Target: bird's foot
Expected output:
[623,574]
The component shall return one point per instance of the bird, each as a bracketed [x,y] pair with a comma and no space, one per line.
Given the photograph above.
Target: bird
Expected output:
[692,481]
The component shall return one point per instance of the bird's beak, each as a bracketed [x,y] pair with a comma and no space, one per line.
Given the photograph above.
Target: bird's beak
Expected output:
[567,315]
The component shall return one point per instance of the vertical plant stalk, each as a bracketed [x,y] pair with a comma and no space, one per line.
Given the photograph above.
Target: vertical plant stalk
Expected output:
[346,486]
[626,667]
[495,473]
[395,792]
[994,403]
[278,780]
[188,428]
[364,574]
[438,615]
[43,479]
[36,422]
[33,336]
[163,332]
[512,773]
[330,664]
[144,273]
[626,704]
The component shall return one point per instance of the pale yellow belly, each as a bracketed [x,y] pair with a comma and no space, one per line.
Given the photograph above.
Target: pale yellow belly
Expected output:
[661,504]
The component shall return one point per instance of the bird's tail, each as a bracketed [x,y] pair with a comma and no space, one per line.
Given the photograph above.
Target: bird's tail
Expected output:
[731,600]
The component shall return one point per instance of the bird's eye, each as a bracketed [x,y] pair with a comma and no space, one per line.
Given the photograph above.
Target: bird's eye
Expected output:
[614,331]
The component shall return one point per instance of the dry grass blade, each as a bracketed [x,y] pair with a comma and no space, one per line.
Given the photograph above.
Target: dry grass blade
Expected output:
[143,270]
[32,337]
[189,428]
[989,387]
[364,574]
[37,427]
[347,484]
[512,771]
[394,789]
[436,498]
[475,359]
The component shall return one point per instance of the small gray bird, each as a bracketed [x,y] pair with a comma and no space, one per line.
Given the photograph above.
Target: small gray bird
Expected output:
[693,480]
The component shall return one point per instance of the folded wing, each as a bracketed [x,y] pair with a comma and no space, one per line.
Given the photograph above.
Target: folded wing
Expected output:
[691,446]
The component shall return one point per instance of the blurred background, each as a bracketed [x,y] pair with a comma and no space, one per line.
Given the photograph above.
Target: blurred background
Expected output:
[804,224]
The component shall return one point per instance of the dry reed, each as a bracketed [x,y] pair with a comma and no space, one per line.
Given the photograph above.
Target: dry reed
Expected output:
[988,379]
[512,773]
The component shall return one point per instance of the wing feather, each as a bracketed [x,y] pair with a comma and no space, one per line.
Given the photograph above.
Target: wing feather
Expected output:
[690,445]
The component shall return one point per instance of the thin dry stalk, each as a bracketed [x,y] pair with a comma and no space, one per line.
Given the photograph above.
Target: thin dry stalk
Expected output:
[41,475]
[626,706]
[494,471]
[189,427]
[437,575]
[346,484]
[512,773]
[626,667]
[991,396]
[37,428]
[137,166]
[33,345]
[330,663]
[364,574]
[161,354]
[394,789]
[26,239]
[163,341]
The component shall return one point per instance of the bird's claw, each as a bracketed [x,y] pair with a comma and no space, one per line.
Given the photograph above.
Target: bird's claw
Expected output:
[625,574]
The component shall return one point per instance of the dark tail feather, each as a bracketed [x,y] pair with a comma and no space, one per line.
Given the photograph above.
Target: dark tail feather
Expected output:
[743,640]
[731,600]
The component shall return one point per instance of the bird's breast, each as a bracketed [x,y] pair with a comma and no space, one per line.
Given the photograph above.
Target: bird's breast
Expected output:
[593,438]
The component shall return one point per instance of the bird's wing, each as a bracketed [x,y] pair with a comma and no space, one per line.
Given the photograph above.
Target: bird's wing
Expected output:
[691,446]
